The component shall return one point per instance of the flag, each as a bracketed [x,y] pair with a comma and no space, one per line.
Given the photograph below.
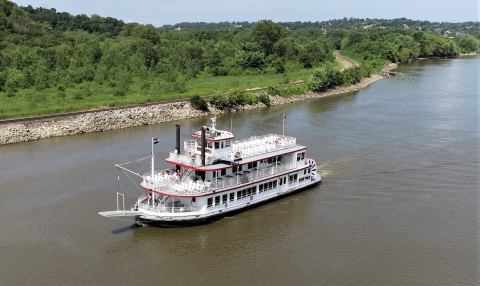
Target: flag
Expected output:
[155,140]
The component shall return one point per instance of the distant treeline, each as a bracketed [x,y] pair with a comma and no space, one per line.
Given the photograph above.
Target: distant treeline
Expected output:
[41,49]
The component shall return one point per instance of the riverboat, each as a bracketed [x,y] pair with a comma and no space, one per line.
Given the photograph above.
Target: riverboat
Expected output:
[216,175]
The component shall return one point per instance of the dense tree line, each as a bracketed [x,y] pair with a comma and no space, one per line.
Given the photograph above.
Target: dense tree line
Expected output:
[472,28]
[42,48]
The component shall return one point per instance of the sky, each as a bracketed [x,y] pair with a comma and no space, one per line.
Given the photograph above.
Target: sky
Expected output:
[160,12]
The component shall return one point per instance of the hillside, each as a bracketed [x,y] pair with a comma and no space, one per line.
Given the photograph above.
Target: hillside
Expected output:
[55,62]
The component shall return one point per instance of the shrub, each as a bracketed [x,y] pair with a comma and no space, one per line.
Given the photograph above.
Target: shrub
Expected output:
[220,101]
[61,93]
[233,99]
[119,91]
[273,90]
[251,98]
[145,85]
[10,92]
[352,76]
[292,90]
[78,95]
[199,103]
[265,99]
[324,79]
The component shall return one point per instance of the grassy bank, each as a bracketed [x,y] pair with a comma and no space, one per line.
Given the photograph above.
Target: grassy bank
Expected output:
[31,102]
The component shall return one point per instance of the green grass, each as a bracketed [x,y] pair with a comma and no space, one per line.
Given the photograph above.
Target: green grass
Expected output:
[356,56]
[31,102]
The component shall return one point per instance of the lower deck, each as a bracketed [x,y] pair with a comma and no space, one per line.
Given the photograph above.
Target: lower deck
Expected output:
[182,210]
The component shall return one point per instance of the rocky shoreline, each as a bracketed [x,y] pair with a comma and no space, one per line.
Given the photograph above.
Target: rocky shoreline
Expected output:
[140,115]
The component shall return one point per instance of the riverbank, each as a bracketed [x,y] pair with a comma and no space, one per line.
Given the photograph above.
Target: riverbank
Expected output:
[141,115]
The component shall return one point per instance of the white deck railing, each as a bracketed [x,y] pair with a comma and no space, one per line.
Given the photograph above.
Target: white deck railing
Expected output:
[252,146]
[187,187]
[248,176]
[262,144]
[164,209]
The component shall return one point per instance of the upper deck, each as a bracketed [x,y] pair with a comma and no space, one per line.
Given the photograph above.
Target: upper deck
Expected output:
[240,150]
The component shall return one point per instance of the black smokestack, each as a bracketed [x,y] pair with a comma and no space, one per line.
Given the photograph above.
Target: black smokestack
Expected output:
[177,145]
[204,143]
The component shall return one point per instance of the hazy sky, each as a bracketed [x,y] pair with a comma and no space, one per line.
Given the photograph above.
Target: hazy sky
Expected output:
[160,12]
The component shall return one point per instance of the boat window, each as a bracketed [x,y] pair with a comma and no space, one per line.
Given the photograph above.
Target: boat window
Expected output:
[217,145]
[209,202]
[270,185]
[227,143]
[249,166]
[217,200]
[244,193]
[274,184]
[221,144]
[240,168]
[209,145]
[260,188]
[254,190]
[214,174]
[232,196]
[305,171]
[224,172]
[193,199]
[224,198]
[255,164]
[234,169]
[239,195]
[249,192]
[279,158]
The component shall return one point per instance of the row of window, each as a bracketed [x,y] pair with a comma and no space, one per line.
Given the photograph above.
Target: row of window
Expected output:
[267,186]
[251,165]
[230,197]
[218,144]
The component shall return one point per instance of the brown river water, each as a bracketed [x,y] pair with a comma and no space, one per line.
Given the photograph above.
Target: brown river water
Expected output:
[398,206]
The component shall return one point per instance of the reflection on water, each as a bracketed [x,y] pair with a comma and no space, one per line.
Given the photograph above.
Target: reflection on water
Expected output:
[398,204]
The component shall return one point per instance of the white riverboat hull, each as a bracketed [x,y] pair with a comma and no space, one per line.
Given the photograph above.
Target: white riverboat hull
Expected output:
[157,218]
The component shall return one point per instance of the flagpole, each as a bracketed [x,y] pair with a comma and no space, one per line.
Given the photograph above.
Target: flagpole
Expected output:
[153,173]
[283,125]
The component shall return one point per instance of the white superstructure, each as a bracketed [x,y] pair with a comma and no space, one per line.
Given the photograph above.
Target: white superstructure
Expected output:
[216,174]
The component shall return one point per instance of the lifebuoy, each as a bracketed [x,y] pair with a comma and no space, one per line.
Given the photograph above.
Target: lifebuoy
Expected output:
[237,155]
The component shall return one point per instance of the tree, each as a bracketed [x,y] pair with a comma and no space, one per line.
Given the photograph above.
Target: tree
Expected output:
[468,43]
[314,53]
[267,33]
